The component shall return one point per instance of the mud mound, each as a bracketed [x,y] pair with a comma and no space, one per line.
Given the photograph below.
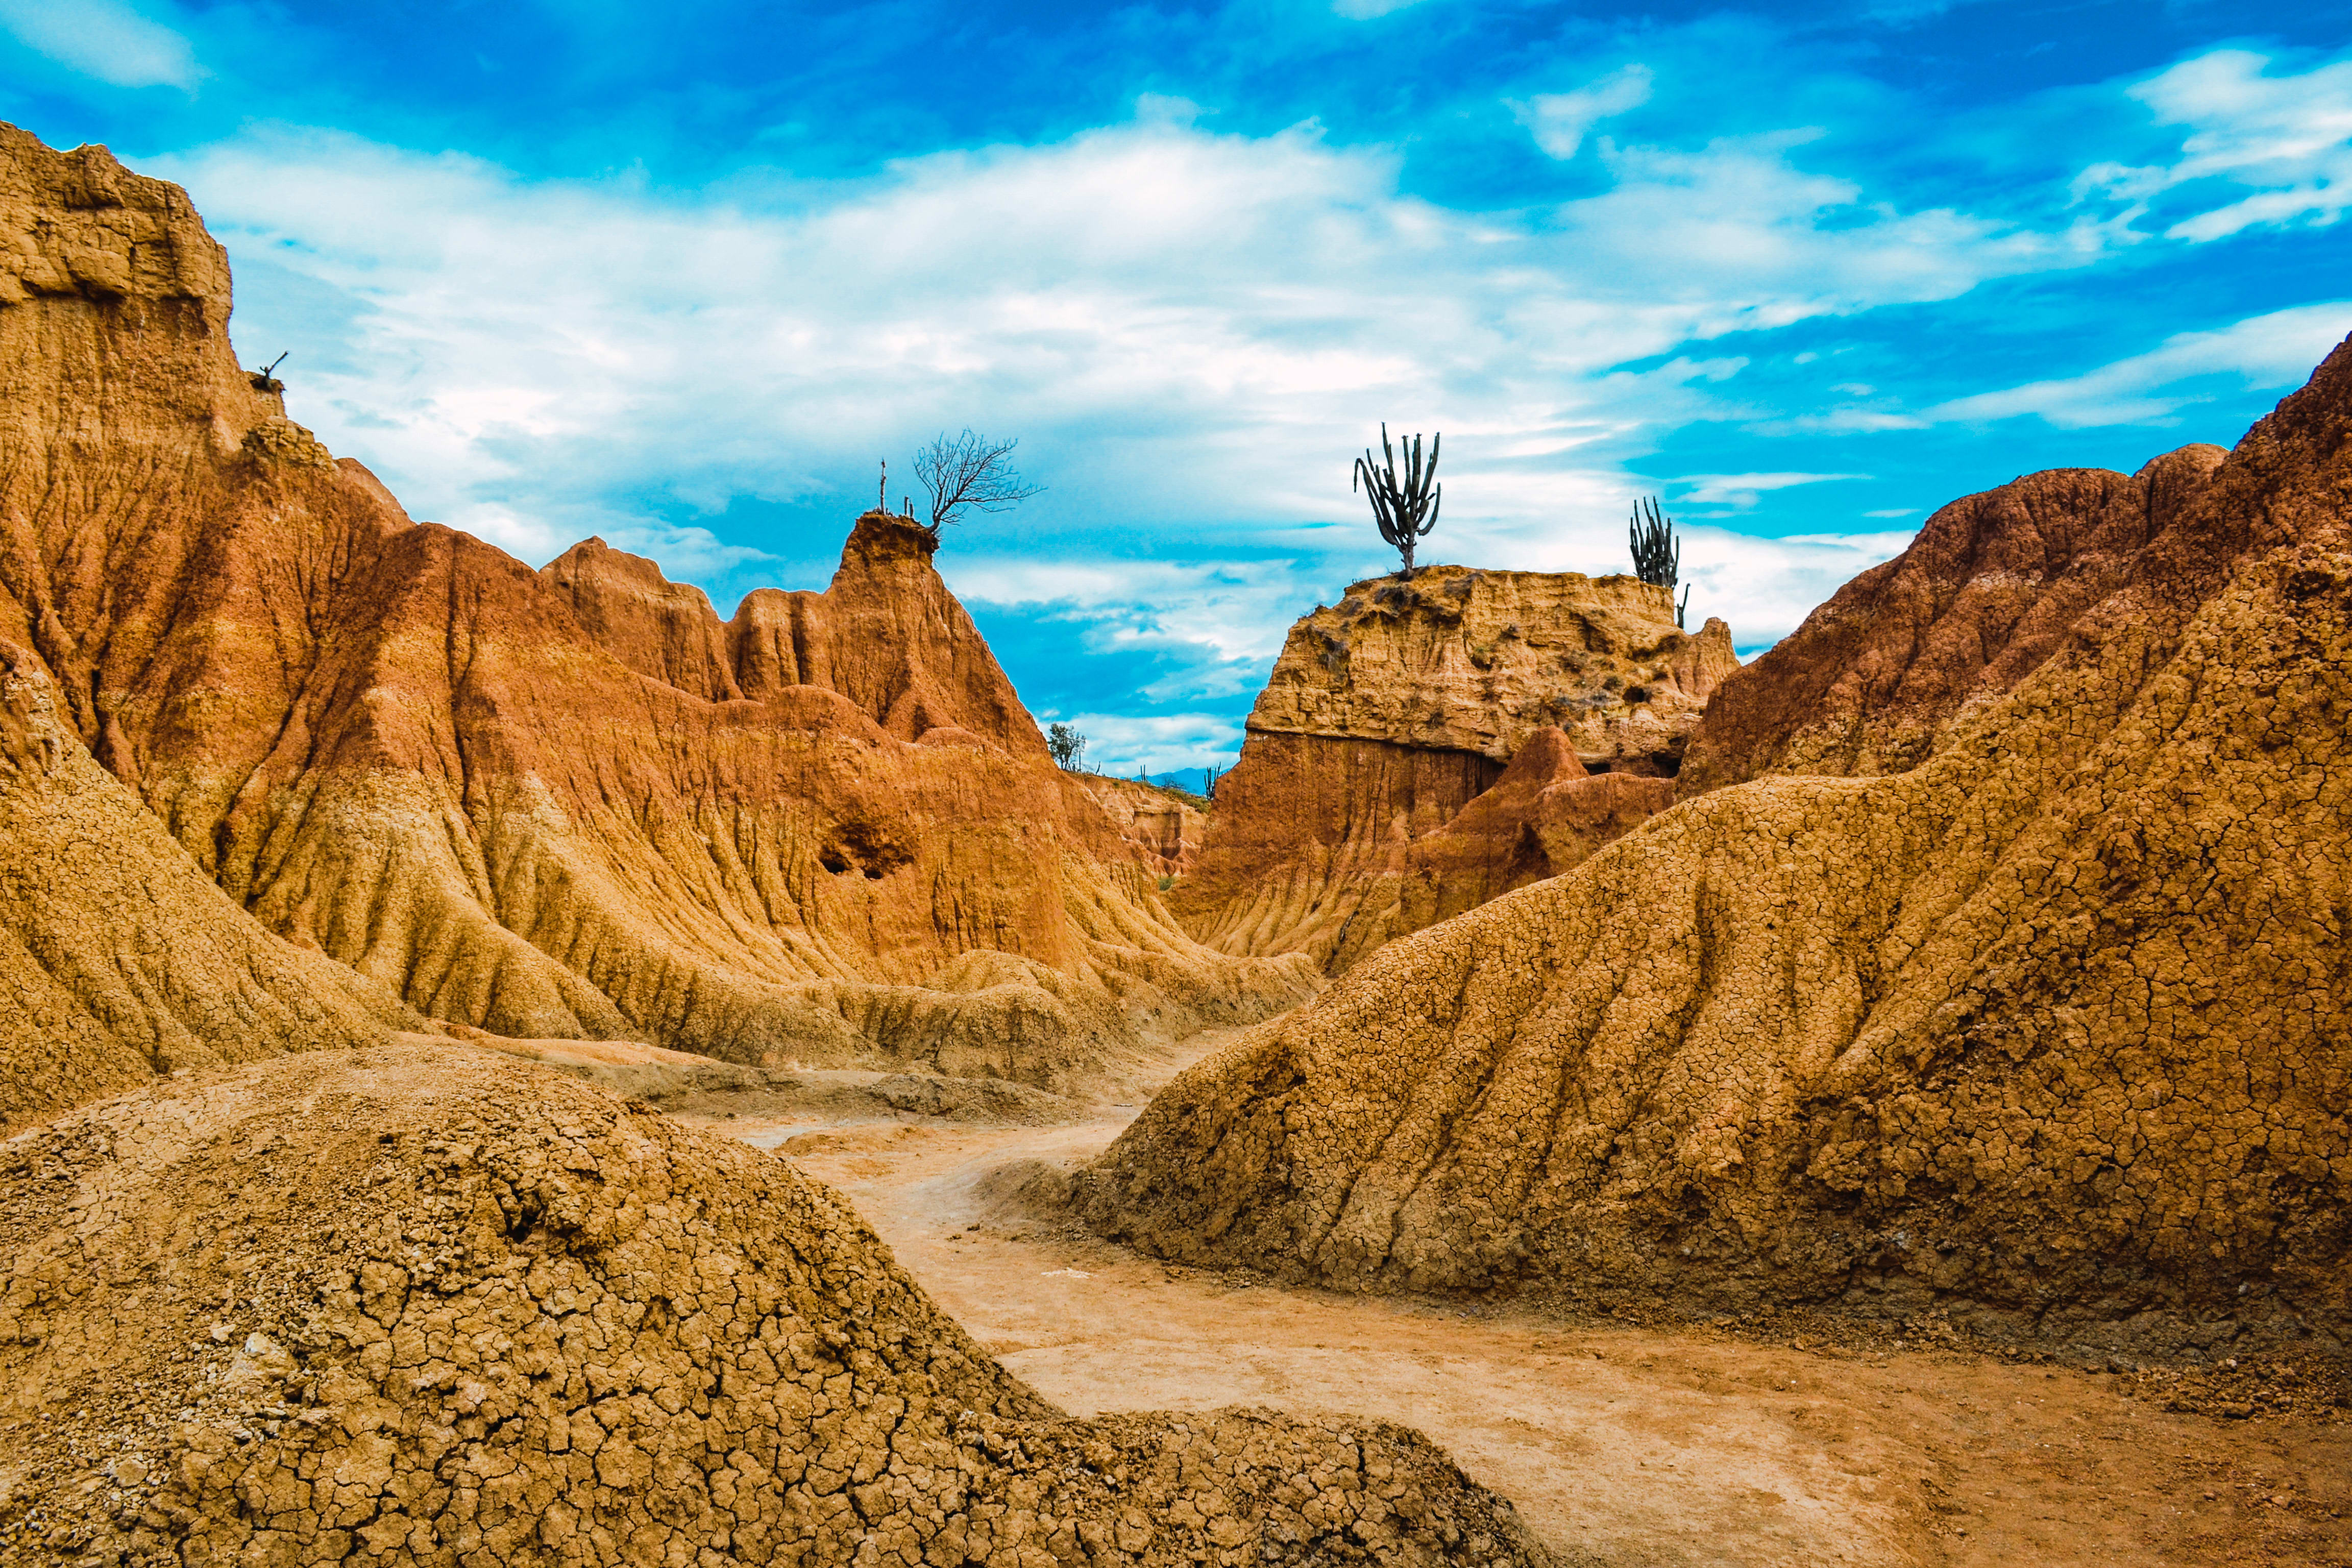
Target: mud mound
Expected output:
[1390,712]
[569,803]
[119,959]
[2052,1028]
[1988,590]
[419,1305]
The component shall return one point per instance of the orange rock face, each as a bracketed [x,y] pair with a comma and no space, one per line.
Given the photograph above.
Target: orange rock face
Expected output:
[547,804]
[1164,825]
[1392,718]
[2048,1032]
[1982,596]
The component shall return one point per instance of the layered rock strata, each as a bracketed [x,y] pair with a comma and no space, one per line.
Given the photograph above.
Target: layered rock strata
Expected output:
[2050,1028]
[567,802]
[423,1306]
[1389,713]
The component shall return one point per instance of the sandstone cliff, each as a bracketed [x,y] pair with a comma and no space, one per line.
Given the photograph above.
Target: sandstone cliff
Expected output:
[118,958]
[1165,825]
[421,1305]
[1389,713]
[2050,1028]
[557,803]
[1985,593]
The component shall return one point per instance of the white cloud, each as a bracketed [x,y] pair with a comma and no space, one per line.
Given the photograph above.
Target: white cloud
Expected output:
[2262,352]
[1742,491]
[2287,139]
[1183,327]
[105,40]
[1559,121]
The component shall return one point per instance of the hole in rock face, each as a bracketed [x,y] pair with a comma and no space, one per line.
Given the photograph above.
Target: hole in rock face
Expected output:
[862,844]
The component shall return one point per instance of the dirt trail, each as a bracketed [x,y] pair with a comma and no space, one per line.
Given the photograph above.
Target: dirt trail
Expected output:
[1619,1445]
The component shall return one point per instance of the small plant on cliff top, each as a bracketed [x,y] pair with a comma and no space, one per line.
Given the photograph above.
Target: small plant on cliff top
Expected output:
[1657,554]
[968,473]
[1068,747]
[1405,509]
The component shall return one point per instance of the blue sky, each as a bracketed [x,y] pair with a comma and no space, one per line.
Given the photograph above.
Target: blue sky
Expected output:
[681,276]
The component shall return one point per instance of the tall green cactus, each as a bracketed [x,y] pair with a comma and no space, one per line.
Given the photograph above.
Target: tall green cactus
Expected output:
[1657,554]
[1405,509]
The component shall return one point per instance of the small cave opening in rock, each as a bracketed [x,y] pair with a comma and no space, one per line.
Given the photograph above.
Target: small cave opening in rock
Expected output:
[833,861]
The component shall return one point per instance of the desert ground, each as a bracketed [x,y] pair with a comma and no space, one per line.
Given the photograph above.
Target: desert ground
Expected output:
[1759,1444]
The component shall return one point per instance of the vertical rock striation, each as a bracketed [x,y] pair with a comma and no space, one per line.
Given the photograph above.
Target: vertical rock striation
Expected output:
[1389,713]
[563,803]
[2050,1028]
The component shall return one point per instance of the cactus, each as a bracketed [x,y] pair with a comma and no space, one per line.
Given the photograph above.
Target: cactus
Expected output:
[1657,554]
[1407,510]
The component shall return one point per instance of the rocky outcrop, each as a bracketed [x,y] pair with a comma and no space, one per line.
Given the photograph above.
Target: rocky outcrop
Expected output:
[1164,825]
[1987,591]
[560,804]
[1543,816]
[2050,1028]
[1389,713]
[421,1305]
[118,958]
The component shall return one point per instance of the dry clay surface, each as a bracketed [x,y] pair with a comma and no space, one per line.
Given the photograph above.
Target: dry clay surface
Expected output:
[2052,1028]
[565,803]
[424,1305]
[118,958]
[1753,1444]
[1372,798]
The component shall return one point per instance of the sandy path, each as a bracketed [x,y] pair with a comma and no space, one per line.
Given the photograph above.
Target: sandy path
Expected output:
[1619,1444]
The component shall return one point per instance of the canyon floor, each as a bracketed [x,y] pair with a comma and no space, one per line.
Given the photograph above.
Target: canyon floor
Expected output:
[1620,1444]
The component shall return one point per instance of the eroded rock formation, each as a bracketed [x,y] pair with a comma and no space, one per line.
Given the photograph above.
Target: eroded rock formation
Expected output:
[569,803]
[421,1305]
[2051,1027]
[118,958]
[1986,592]
[1165,825]
[1390,712]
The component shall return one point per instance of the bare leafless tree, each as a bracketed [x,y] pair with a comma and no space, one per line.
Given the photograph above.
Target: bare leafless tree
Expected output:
[968,473]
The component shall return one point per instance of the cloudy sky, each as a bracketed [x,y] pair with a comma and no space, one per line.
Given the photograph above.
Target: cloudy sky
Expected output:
[683,275]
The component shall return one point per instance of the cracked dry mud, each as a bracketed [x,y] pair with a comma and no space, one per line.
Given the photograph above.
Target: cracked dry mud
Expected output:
[418,1304]
[1675,1446]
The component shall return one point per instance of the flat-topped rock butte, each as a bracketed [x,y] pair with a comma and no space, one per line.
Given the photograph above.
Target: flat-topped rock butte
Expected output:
[2048,1027]
[1426,744]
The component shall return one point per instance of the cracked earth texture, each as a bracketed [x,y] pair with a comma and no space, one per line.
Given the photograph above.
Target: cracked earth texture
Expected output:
[416,1304]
